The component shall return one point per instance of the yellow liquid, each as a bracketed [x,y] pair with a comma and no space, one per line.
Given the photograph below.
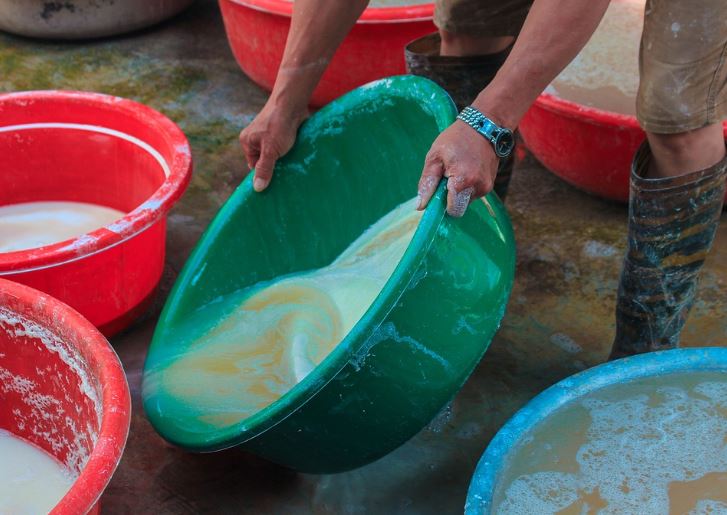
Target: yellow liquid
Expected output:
[651,446]
[31,481]
[280,331]
[605,74]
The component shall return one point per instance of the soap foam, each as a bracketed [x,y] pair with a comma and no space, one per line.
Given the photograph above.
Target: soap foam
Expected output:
[278,332]
[645,447]
[709,508]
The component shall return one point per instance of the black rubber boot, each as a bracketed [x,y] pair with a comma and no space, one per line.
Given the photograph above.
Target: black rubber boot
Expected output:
[463,78]
[672,224]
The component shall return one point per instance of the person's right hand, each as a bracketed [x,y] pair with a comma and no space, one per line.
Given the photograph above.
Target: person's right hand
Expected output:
[467,160]
[270,136]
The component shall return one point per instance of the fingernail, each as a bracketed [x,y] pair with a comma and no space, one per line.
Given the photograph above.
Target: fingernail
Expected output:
[258,184]
[419,202]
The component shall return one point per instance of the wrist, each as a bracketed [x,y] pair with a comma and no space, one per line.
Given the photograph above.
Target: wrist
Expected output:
[499,106]
[288,106]
[500,137]
[294,86]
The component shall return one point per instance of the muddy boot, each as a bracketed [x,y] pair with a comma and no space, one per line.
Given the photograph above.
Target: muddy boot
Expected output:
[672,223]
[463,78]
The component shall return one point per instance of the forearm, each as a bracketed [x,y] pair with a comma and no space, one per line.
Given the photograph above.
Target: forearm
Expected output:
[317,29]
[553,34]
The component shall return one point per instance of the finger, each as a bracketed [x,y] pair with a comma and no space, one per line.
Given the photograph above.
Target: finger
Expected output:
[431,175]
[483,187]
[264,169]
[458,196]
[250,150]
[252,157]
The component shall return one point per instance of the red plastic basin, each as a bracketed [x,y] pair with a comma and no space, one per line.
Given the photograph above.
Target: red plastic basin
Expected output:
[62,388]
[87,147]
[257,30]
[586,147]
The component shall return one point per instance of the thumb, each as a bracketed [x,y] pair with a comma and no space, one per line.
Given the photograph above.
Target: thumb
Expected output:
[264,169]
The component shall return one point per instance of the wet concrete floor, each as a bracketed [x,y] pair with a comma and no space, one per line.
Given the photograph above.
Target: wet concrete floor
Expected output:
[559,320]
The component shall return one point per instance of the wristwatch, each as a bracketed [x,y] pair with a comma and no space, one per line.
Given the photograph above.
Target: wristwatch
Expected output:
[500,137]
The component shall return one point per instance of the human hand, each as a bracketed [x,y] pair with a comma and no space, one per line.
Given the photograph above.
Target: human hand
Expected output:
[270,136]
[469,162]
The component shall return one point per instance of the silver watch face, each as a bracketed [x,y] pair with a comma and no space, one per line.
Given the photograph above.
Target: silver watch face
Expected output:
[504,143]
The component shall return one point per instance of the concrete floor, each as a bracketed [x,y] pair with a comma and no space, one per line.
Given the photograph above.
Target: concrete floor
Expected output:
[559,319]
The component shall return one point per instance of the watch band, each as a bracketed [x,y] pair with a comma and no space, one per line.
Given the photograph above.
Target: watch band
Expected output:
[501,138]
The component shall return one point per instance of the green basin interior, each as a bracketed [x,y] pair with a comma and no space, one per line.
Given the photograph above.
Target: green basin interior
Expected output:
[354,161]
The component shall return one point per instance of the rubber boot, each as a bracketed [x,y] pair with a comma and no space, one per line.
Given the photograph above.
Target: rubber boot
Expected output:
[463,78]
[672,224]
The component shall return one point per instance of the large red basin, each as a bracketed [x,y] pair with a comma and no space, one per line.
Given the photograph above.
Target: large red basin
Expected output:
[586,147]
[88,147]
[257,30]
[62,388]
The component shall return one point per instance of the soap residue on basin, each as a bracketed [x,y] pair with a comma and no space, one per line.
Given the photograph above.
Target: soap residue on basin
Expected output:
[655,445]
[31,481]
[605,74]
[245,352]
[43,415]
[29,225]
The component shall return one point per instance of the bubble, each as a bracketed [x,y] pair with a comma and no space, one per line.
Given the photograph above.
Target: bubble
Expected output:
[644,447]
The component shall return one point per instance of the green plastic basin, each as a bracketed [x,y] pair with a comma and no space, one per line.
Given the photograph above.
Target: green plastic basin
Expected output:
[354,161]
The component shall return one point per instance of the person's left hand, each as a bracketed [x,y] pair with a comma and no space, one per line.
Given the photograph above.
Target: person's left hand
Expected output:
[467,159]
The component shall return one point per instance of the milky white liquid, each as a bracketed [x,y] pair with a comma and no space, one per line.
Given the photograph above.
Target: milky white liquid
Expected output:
[278,333]
[31,481]
[654,446]
[35,224]
[605,74]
